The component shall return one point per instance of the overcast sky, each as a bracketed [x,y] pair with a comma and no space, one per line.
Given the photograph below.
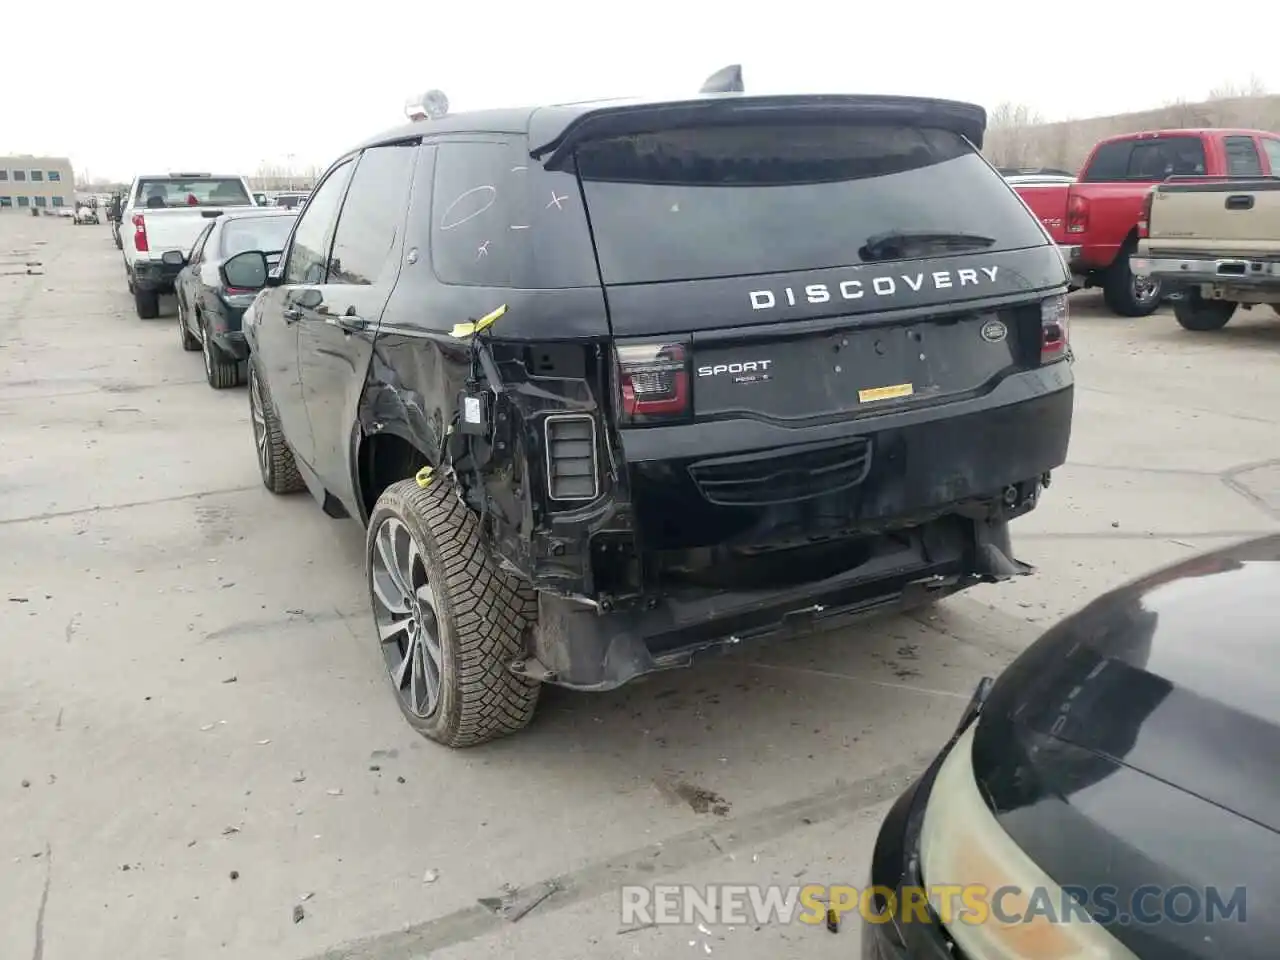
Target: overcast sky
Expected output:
[225,86]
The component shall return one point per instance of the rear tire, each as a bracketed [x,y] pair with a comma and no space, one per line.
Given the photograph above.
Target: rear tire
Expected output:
[221,371]
[1121,291]
[1201,315]
[146,303]
[470,618]
[278,469]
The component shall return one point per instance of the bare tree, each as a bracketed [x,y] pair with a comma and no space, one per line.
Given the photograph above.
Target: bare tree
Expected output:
[1009,141]
[1252,87]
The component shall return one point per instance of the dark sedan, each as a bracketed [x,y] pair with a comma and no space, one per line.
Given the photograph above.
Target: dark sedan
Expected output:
[1112,795]
[209,310]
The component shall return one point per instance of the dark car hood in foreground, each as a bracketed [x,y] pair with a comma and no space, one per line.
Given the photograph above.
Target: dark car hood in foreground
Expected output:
[1138,742]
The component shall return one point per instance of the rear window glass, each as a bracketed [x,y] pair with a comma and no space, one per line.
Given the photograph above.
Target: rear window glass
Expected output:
[192,192]
[732,201]
[255,233]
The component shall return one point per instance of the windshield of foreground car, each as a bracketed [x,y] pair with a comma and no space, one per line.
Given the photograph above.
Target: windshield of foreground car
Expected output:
[202,192]
[741,200]
[267,234]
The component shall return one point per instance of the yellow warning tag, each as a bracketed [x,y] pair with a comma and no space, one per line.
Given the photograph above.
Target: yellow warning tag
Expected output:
[461,330]
[885,393]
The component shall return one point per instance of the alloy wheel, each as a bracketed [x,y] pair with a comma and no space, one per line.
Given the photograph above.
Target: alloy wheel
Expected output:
[404,610]
[258,416]
[1145,290]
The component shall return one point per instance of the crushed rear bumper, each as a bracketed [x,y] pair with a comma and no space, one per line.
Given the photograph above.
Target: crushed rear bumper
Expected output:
[933,509]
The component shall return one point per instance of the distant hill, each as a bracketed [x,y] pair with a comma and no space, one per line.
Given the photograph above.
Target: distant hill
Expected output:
[1016,139]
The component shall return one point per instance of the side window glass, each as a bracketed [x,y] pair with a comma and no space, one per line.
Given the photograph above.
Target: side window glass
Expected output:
[499,219]
[308,254]
[472,213]
[1273,155]
[1110,162]
[371,223]
[1242,157]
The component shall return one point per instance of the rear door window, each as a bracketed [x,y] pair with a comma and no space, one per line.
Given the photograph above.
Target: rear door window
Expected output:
[499,219]
[1242,157]
[733,201]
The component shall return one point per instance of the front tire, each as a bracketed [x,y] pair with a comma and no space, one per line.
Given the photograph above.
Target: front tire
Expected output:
[449,622]
[221,371]
[1201,315]
[146,303]
[1125,294]
[276,465]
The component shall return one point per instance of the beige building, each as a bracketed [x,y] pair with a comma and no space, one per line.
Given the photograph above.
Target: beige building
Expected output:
[41,182]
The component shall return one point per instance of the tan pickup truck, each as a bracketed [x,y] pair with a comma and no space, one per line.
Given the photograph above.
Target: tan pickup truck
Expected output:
[1216,240]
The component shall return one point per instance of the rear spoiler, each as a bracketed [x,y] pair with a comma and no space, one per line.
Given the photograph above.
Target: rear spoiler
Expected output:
[555,145]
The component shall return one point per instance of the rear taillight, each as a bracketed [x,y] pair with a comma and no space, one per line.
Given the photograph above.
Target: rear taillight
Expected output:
[1144,220]
[653,382]
[1054,336]
[1077,213]
[140,234]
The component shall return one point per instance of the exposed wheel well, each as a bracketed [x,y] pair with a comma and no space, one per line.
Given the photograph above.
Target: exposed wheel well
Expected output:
[385,459]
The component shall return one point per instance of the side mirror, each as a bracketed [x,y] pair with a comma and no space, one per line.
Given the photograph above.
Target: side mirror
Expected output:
[173,258]
[247,270]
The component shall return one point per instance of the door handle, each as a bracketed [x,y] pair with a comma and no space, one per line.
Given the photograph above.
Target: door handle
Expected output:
[1241,201]
[349,322]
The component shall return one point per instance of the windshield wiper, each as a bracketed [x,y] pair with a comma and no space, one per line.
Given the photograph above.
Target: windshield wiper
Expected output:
[894,244]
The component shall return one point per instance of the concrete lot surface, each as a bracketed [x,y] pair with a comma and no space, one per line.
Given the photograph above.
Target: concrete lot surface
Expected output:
[189,685]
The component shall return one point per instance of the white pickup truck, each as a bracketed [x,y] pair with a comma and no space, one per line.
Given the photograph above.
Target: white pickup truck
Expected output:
[166,212]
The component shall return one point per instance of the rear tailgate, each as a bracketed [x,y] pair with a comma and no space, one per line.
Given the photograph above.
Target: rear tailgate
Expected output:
[1048,201]
[1219,217]
[174,229]
[815,270]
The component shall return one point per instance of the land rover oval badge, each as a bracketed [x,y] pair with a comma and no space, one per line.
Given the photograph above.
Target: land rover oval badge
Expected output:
[993,331]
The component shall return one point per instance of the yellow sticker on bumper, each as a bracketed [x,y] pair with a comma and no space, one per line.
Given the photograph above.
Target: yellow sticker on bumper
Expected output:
[885,393]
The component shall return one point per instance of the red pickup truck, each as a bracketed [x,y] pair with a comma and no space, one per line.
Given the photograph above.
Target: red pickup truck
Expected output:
[1095,219]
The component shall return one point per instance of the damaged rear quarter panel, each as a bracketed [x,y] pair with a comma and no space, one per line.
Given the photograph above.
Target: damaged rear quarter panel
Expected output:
[419,370]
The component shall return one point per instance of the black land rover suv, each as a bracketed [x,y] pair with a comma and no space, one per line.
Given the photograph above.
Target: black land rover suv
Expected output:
[614,384]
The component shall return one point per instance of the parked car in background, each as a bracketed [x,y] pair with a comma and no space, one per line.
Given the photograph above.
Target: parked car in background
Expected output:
[588,445]
[1097,216]
[167,212]
[1218,239]
[1120,764]
[209,308]
[85,214]
[115,211]
[290,200]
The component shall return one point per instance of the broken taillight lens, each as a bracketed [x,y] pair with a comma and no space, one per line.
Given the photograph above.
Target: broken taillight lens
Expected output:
[653,381]
[1054,335]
